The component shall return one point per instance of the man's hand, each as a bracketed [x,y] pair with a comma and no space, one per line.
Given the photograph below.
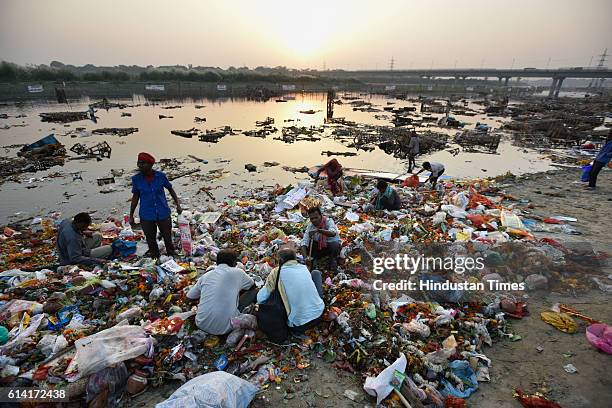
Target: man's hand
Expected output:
[88,233]
[132,220]
[179,209]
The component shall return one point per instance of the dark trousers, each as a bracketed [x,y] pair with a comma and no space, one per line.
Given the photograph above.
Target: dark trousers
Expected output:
[150,230]
[411,162]
[434,179]
[331,250]
[597,166]
[247,298]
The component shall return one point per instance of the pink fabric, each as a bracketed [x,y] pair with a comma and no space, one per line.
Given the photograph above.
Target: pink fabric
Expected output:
[600,336]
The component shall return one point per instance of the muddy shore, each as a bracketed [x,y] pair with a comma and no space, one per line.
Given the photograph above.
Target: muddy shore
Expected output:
[516,364]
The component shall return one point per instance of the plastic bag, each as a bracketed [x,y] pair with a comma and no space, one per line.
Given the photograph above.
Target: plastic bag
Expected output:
[412,181]
[534,401]
[600,336]
[438,218]
[108,347]
[380,386]
[123,248]
[463,371]
[454,211]
[461,200]
[51,344]
[23,333]
[477,220]
[212,390]
[586,173]
[107,386]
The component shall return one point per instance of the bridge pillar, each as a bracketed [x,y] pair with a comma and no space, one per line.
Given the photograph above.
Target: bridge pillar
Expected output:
[559,83]
[506,81]
[551,92]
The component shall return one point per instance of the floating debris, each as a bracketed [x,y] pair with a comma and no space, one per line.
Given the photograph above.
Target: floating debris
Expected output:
[115,131]
[63,117]
[330,153]
[189,133]
[98,151]
[266,122]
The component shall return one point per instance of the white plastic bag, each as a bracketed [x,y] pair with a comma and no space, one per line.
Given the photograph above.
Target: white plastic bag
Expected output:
[108,347]
[380,386]
[438,218]
[461,200]
[212,390]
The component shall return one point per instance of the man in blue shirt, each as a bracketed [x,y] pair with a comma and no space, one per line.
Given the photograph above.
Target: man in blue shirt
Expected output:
[76,245]
[602,159]
[300,290]
[148,189]
[321,239]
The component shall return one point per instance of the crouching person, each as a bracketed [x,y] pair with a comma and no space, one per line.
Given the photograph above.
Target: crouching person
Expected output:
[301,291]
[222,293]
[76,244]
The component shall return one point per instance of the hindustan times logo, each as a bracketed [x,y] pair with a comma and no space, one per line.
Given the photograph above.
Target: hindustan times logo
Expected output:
[404,262]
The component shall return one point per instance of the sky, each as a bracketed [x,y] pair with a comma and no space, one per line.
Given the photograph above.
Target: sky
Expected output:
[330,34]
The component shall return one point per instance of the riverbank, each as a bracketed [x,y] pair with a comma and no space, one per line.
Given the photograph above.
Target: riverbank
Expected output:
[515,364]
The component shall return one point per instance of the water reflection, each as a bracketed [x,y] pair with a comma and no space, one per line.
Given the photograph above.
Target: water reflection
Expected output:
[227,157]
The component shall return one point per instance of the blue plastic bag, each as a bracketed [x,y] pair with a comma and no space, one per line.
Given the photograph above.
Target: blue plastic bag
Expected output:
[586,173]
[123,248]
[463,370]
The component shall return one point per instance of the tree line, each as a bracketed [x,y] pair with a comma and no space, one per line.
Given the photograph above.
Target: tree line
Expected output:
[56,71]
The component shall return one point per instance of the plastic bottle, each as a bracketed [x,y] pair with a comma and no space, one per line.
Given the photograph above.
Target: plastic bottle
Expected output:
[126,221]
[185,231]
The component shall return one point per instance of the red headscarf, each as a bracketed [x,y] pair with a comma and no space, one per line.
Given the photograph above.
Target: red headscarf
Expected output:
[146,157]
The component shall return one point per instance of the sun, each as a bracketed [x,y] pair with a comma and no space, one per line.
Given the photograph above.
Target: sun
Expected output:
[304,31]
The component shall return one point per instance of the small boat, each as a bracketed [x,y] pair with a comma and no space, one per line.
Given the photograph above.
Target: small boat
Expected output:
[281,100]
[308,112]
[374,174]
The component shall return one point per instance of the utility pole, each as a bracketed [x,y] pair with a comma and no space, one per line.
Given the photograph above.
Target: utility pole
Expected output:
[392,63]
[600,65]
[548,63]
[512,66]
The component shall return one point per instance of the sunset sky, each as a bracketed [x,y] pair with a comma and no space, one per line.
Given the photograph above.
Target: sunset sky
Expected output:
[351,34]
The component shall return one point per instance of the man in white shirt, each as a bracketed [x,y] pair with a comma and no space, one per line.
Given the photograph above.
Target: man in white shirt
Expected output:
[219,294]
[436,169]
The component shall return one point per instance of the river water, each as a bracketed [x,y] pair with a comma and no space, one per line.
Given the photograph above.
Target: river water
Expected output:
[36,194]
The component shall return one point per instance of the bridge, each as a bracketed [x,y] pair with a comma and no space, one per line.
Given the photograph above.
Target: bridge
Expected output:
[557,75]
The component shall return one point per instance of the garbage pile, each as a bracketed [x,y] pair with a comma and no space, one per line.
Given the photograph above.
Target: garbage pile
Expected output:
[40,155]
[63,117]
[392,140]
[127,325]
[115,131]
[105,104]
[560,122]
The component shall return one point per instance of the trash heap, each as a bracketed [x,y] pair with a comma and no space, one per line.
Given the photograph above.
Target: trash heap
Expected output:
[128,325]
[40,155]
